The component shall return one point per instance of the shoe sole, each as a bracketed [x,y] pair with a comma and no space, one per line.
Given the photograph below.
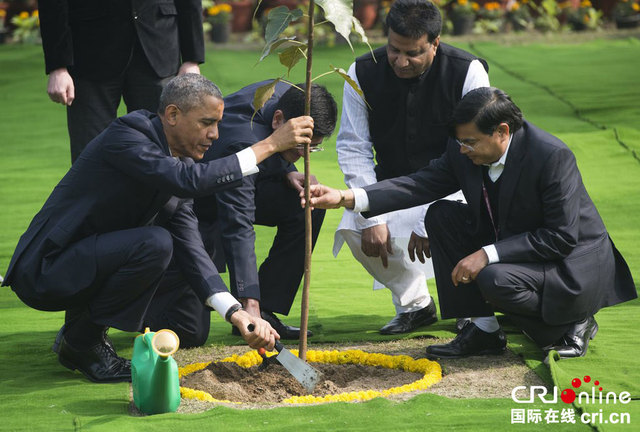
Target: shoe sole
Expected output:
[424,324]
[498,351]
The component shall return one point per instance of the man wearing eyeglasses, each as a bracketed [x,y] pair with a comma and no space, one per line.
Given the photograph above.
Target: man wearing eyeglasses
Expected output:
[268,197]
[411,86]
[529,243]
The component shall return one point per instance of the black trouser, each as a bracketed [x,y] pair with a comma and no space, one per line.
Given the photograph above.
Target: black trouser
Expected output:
[129,266]
[96,102]
[515,289]
[278,205]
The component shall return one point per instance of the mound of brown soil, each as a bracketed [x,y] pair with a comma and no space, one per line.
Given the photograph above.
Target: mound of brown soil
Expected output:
[228,381]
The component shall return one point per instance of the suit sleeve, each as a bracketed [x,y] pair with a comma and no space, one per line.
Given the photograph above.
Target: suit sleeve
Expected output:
[190,255]
[560,188]
[57,42]
[435,181]
[134,153]
[190,30]
[236,215]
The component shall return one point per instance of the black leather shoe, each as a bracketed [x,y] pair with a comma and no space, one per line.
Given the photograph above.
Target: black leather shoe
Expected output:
[285,331]
[471,341]
[461,323]
[575,342]
[56,343]
[409,321]
[99,364]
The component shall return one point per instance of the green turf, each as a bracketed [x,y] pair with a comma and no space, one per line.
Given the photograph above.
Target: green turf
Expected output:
[574,91]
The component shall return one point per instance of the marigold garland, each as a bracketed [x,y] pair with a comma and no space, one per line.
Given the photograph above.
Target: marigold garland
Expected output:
[431,370]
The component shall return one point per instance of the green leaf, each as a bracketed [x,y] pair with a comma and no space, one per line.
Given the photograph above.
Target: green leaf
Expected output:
[278,20]
[340,14]
[292,55]
[269,48]
[351,82]
[357,27]
[262,95]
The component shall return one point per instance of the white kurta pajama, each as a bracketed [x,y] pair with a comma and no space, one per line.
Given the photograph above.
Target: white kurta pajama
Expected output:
[405,279]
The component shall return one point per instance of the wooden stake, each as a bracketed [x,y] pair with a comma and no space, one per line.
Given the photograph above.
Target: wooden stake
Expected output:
[304,313]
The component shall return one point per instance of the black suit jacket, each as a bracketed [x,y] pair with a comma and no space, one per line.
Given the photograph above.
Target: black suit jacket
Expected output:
[546,215]
[121,181]
[233,210]
[94,39]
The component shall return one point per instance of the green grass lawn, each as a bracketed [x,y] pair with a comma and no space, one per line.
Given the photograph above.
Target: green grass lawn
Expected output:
[587,94]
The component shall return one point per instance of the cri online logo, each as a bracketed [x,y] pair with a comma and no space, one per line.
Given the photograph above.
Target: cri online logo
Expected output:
[568,395]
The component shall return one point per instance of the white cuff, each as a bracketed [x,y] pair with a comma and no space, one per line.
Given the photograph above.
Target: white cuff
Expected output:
[492,253]
[221,302]
[361,200]
[247,160]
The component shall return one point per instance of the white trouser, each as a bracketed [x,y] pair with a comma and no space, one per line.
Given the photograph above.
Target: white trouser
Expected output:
[407,280]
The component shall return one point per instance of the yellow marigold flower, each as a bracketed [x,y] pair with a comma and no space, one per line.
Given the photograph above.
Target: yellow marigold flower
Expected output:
[585,3]
[24,15]
[3,13]
[463,2]
[35,13]
[475,6]
[635,7]
[225,7]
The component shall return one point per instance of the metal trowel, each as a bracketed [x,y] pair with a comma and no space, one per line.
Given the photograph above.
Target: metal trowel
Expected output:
[306,375]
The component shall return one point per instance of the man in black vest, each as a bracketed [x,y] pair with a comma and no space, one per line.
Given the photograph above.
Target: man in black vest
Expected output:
[98,52]
[269,198]
[530,242]
[411,88]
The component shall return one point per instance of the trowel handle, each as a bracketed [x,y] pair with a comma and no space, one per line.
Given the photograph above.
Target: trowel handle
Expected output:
[278,346]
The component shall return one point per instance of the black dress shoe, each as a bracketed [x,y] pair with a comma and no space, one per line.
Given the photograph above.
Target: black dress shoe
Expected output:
[56,343]
[575,342]
[99,364]
[285,331]
[471,341]
[461,323]
[409,321]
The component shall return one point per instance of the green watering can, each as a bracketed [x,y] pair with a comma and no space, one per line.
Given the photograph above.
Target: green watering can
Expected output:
[154,373]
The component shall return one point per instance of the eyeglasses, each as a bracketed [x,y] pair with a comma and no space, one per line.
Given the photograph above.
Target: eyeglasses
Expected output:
[467,146]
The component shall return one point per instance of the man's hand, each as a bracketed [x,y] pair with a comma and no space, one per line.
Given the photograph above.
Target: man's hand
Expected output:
[189,67]
[468,267]
[325,197]
[60,87]
[252,306]
[295,132]
[419,246]
[262,336]
[295,180]
[376,242]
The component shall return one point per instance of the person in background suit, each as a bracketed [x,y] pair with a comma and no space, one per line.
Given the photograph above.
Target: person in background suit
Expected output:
[529,243]
[98,52]
[269,197]
[411,86]
[101,243]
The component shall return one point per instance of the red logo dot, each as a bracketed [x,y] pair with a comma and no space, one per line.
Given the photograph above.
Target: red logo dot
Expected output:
[576,382]
[568,396]
[596,382]
[600,388]
[587,378]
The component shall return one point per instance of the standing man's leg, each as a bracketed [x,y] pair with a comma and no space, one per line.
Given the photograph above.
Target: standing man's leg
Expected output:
[95,106]
[142,86]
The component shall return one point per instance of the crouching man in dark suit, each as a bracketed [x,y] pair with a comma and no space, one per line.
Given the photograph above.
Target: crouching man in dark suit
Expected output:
[529,243]
[268,198]
[102,241]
